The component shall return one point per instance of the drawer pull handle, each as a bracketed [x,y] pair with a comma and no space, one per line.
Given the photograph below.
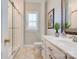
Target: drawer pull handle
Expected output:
[50,57]
[49,48]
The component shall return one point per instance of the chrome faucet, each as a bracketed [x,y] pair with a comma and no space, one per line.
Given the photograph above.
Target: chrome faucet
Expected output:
[74,39]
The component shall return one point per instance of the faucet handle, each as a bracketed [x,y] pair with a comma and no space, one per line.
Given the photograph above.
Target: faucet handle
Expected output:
[75,39]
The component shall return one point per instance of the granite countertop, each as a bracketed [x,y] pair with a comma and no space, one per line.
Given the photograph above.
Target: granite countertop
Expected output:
[65,44]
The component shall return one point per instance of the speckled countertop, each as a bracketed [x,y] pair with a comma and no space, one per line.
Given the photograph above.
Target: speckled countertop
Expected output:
[65,44]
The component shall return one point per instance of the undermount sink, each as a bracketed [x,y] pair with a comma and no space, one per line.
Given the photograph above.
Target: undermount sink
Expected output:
[69,39]
[72,38]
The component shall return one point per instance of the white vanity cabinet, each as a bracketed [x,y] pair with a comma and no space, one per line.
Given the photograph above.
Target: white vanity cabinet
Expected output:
[55,53]
[43,49]
[51,49]
[49,55]
[51,52]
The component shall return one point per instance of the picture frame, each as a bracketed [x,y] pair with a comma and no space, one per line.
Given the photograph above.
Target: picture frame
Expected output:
[51,15]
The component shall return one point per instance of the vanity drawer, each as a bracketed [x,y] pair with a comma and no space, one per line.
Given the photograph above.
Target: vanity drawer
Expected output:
[49,56]
[55,51]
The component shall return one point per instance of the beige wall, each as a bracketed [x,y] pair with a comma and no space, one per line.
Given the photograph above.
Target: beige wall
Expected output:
[32,7]
[56,4]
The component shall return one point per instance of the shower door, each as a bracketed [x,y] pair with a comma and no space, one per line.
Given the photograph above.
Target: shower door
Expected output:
[11,29]
[14,28]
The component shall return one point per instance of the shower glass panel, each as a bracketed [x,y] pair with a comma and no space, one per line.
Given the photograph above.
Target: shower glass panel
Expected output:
[10,27]
[14,28]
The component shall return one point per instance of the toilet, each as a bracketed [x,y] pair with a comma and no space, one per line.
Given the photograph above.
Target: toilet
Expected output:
[38,46]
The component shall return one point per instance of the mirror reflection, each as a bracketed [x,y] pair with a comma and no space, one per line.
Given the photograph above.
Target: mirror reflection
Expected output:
[70,16]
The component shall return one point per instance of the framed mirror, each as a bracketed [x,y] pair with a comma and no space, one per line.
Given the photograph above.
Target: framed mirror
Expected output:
[69,19]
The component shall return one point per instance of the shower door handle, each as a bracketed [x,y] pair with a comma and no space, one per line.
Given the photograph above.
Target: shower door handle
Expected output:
[7,41]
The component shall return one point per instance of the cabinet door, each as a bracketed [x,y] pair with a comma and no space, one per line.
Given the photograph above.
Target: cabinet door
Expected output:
[55,51]
[49,56]
[58,54]
[43,49]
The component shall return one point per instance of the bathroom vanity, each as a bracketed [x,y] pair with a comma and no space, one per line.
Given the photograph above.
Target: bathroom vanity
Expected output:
[58,48]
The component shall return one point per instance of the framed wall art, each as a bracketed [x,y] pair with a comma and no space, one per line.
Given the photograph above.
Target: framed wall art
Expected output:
[51,15]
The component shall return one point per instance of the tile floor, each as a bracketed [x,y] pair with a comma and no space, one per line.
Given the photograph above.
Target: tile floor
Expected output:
[28,53]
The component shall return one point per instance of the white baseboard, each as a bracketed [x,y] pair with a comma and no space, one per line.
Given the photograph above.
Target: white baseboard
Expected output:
[29,46]
[33,45]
